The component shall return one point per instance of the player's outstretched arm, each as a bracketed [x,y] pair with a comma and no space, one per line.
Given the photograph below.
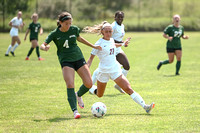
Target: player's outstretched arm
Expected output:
[45,47]
[89,62]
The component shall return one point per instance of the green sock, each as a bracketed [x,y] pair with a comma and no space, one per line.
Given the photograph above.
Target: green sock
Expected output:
[165,62]
[178,66]
[82,90]
[37,51]
[72,98]
[30,51]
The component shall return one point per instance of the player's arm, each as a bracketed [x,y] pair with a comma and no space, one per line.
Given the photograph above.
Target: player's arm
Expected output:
[185,37]
[11,25]
[125,44]
[27,31]
[41,31]
[89,62]
[167,37]
[84,41]
[45,46]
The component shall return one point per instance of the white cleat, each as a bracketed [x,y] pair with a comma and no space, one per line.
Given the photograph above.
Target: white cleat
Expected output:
[119,89]
[91,90]
[80,101]
[76,115]
[148,108]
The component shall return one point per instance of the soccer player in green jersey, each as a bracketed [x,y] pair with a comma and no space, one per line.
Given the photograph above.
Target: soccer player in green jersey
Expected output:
[71,58]
[173,33]
[34,28]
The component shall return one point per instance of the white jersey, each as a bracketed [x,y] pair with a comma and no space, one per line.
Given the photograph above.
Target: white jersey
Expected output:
[15,22]
[108,62]
[118,34]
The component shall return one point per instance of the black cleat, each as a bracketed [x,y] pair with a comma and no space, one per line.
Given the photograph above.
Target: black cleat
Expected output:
[13,54]
[177,74]
[6,55]
[159,65]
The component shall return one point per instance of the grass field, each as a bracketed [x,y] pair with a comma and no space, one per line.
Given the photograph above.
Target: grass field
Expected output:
[33,93]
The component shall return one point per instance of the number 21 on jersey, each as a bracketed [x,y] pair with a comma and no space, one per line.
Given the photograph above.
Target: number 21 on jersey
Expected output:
[111,51]
[66,45]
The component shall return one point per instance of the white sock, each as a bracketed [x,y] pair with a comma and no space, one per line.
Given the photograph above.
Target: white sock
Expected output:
[9,48]
[125,72]
[15,46]
[94,76]
[138,99]
[91,90]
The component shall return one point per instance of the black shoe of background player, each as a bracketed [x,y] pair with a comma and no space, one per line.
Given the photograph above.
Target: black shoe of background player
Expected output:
[177,74]
[6,54]
[13,54]
[159,65]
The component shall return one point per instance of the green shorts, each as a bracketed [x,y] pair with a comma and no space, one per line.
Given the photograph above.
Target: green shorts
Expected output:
[172,50]
[75,64]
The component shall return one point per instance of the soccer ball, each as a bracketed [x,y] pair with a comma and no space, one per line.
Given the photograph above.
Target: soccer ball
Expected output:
[98,109]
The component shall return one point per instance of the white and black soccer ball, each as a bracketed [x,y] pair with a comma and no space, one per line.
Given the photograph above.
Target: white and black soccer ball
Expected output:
[98,109]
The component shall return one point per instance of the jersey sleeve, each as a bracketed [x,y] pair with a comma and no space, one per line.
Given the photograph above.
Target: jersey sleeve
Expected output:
[12,20]
[95,51]
[77,32]
[167,30]
[29,27]
[49,38]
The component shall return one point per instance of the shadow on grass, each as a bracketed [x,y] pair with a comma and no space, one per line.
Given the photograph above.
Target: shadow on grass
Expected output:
[169,75]
[113,95]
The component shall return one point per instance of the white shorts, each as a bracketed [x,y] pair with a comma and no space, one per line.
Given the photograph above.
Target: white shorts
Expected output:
[104,77]
[13,32]
[119,50]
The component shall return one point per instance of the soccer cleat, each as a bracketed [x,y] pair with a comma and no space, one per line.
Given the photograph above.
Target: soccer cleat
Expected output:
[119,89]
[177,74]
[159,65]
[92,90]
[6,55]
[80,101]
[26,58]
[40,59]
[76,115]
[13,54]
[148,108]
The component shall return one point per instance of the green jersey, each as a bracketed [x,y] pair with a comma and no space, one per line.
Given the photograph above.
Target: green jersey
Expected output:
[34,30]
[67,49]
[176,33]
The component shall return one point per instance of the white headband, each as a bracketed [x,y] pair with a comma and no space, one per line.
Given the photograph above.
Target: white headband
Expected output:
[106,25]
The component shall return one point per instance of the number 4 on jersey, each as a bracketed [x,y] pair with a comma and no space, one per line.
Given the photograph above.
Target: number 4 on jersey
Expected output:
[66,45]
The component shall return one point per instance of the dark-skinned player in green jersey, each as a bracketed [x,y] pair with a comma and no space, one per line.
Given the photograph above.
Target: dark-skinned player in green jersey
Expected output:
[71,58]
[173,33]
[34,28]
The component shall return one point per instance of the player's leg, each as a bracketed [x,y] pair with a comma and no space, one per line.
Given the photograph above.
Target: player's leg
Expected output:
[125,85]
[30,50]
[169,61]
[123,60]
[178,64]
[85,75]
[68,75]
[17,40]
[13,40]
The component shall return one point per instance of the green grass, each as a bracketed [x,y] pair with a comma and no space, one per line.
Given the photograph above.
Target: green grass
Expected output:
[33,93]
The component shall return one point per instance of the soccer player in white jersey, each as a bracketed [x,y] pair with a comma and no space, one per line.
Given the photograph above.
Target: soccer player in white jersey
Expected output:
[16,23]
[117,34]
[109,67]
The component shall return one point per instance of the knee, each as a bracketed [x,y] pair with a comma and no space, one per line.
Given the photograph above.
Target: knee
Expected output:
[100,95]
[88,84]
[69,84]
[171,61]
[126,67]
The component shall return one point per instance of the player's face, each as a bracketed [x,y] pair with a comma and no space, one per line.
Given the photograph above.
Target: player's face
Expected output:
[66,24]
[19,15]
[119,18]
[35,18]
[107,33]
[176,19]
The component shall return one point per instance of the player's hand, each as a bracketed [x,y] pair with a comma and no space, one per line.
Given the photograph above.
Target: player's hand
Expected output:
[24,38]
[46,48]
[185,37]
[98,47]
[127,42]
[170,38]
